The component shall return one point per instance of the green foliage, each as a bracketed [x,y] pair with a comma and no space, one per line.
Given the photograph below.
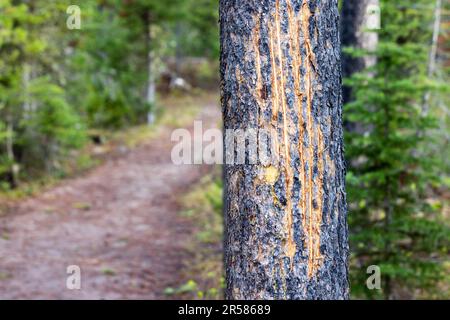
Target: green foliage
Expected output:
[391,220]
[105,80]
[41,124]
[201,37]
[54,125]
[56,83]
[203,206]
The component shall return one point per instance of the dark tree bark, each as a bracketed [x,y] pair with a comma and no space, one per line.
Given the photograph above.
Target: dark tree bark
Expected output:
[286,224]
[355,34]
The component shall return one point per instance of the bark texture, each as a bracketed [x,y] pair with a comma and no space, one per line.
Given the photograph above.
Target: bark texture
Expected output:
[355,34]
[286,227]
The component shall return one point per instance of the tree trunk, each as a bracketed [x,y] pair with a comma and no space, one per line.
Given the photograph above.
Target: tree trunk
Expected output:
[286,225]
[26,91]
[10,151]
[355,33]
[151,84]
[178,48]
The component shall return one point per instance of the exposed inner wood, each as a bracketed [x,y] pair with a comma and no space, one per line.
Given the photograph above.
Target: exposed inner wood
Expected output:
[314,205]
[310,143]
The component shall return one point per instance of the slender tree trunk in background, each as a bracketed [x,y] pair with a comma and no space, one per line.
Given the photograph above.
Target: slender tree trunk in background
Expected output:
[355,34]
[286,224]
[151,84]
[151,90]
[178,49]
[29,104]
[26,85]
[10,151]
[29,73]
[433,53]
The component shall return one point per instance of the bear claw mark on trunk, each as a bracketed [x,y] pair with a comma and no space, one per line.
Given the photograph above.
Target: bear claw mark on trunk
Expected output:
[309,147]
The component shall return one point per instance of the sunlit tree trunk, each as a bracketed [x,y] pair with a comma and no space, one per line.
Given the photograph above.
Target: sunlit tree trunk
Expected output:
[285,222]
[433,53]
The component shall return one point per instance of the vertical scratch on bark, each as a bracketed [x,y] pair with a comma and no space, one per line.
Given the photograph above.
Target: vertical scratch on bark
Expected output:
[294,49]
[314,198]
[296,56]
[275,95]
[258,93]
[315,257]
[290,245]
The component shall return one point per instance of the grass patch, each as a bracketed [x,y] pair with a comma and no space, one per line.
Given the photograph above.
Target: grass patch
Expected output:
[83,206]
[108,272]
[203,206]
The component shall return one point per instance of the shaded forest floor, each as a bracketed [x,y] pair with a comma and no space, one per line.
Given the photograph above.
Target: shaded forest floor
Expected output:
[119,223]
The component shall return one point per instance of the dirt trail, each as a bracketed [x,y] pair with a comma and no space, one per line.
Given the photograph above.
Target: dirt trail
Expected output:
[119,224]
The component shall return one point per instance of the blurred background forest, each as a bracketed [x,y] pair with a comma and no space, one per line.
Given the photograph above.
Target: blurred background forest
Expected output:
[66,94]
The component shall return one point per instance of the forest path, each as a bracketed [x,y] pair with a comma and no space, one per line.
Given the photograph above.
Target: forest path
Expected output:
[119,223]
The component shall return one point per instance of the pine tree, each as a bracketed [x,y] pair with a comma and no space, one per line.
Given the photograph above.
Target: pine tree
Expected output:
[392,223]
[41,125]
